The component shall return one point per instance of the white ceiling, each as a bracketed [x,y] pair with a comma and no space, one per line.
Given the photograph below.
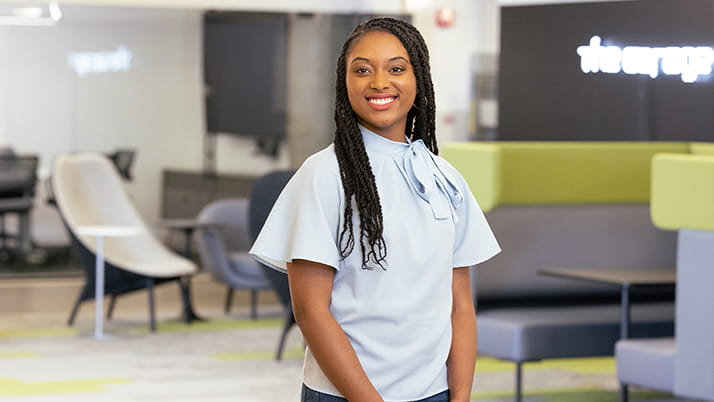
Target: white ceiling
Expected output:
[541,2]
[342,6]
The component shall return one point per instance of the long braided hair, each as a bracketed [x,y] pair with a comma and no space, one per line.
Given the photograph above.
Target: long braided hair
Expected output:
[358,180]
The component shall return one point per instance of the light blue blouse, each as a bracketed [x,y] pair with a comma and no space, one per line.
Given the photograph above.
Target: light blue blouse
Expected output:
[398,319]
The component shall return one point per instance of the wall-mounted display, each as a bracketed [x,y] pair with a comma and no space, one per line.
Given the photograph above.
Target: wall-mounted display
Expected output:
[245,64]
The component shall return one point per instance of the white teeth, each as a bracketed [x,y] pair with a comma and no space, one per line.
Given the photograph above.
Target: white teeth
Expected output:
[382,101]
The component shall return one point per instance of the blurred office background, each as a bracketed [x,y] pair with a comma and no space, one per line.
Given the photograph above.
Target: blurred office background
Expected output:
[203,97]
[113,75]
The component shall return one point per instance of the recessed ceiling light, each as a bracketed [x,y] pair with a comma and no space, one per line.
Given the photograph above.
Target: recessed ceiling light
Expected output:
[33,16]
[27,12]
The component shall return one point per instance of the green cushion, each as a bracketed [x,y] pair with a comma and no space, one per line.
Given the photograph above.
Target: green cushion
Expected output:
[683,191]
[579,172]
[557,172]
[480,164]
[702,148]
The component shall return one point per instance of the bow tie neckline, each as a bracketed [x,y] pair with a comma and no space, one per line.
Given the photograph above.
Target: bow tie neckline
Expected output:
[425,173]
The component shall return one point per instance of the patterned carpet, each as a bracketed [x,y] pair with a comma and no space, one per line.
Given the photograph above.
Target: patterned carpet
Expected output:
[228,359]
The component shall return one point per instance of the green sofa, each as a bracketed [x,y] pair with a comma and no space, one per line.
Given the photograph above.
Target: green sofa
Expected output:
[565,205]
[524,173]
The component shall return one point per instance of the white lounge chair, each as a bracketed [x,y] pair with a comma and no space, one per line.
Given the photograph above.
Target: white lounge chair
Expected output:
[89,192]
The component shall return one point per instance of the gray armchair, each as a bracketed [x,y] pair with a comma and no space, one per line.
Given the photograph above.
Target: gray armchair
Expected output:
[265,193]
[223,249]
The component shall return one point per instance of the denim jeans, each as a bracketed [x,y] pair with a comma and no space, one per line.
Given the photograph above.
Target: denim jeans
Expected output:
[309,395]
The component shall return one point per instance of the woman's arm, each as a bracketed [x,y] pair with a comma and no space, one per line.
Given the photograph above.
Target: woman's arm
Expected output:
[311,288]
[462,357]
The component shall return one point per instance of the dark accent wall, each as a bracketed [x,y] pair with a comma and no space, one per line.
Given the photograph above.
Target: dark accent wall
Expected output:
[544,95]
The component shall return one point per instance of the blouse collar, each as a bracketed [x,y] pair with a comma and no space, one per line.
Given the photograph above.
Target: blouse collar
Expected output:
[376,143]
[424,172]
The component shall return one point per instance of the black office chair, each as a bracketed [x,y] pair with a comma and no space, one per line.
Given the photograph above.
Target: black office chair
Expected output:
[123,160]
[265,192]
[18,176]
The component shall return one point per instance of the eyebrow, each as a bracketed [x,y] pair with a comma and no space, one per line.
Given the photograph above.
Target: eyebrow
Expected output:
[367,60]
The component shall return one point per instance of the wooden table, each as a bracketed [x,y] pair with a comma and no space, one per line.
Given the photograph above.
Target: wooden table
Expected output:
[187,227]
[626,279]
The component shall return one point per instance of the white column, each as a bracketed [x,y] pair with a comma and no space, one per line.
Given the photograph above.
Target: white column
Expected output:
[310,72]
[475,31]
[3,86]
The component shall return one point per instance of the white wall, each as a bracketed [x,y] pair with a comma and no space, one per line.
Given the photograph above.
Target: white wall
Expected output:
[3,86]
[325,6]
[475,30]
[157,106]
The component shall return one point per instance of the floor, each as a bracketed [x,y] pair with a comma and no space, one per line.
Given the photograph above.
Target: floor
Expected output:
[226,358]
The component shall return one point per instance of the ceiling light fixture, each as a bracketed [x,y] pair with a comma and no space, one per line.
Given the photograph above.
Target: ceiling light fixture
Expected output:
[33,16]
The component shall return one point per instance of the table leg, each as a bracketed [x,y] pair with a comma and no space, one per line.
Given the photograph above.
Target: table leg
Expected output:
[99,290]
[625,311]
[24,241]
[189,314]
[624,396]
[624,329]
[188,250]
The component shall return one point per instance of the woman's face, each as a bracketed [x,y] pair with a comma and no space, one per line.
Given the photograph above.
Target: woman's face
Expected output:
[381,85]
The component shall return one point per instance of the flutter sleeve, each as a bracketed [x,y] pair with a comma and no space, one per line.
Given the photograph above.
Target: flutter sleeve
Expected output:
[304,222]
[474,242]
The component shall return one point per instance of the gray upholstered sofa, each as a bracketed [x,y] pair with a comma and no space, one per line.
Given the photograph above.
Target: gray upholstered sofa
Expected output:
[564,205]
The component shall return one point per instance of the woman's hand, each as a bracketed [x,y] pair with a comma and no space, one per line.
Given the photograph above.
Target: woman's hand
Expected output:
[311,290]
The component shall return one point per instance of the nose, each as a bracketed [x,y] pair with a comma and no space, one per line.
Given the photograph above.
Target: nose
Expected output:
[380,80]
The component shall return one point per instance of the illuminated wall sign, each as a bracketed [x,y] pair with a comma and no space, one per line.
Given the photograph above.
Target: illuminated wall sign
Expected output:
[689,62]
[85,63]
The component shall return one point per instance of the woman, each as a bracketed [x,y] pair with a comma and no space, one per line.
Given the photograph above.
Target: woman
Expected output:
[377,234]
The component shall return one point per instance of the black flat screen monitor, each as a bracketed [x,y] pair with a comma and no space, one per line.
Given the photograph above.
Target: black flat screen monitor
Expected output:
[245,57]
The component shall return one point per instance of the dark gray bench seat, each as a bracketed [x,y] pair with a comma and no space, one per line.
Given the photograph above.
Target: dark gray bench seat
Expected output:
[534,333]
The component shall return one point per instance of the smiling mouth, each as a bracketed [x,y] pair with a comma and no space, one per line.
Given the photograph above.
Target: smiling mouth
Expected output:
[381,101]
